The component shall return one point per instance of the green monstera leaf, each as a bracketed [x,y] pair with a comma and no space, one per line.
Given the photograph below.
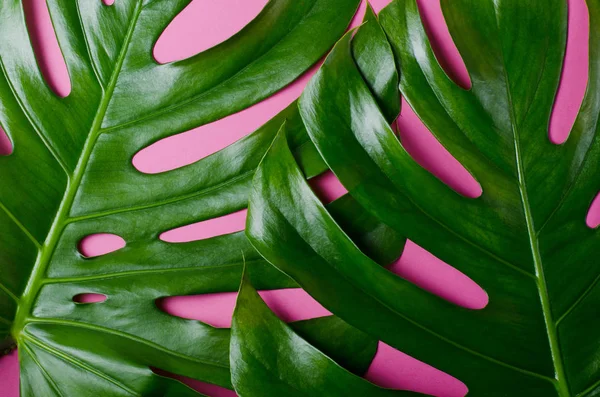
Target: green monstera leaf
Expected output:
[269,359]
[70,175]
[524,240]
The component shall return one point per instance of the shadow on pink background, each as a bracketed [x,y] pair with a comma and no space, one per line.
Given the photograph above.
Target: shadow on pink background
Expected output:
[205,23]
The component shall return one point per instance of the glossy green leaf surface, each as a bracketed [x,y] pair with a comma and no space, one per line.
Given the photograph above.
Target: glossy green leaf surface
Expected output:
[70,176]
[269,359]
[524,241]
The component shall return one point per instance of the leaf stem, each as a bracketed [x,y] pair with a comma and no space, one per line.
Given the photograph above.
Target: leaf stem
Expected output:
[561,380]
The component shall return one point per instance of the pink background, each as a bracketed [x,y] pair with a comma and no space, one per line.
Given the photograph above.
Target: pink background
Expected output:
[205,23]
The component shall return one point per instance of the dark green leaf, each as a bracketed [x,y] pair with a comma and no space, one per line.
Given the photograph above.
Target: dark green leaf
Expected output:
[350,348]
[269,359]
[375,60]
[524,240]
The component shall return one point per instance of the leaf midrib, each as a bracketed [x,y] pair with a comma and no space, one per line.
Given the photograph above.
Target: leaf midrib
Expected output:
[560,383]
[46,251]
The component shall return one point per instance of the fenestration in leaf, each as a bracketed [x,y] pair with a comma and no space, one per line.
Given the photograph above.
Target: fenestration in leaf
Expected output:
[70,175]
[269,359]
[524,240]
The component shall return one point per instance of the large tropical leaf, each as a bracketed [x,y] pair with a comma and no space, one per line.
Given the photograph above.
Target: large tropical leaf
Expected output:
[70,176]
[269,359]
[525,240]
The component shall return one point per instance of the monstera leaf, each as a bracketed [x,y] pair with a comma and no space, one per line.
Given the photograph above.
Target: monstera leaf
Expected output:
[70,176]
[269,358]
[524,240]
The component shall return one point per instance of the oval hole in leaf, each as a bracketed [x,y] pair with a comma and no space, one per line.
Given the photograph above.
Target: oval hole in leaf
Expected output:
[89,298]
[227,224]
[204,24]
[6,146]
[189,147]
[431,155]
[46,48]
[593,216]
[108,2]
[100,244]
[442,44]
[327,187]
[206,389]
[395,370]
[428,272]
[575,72]
[292,304]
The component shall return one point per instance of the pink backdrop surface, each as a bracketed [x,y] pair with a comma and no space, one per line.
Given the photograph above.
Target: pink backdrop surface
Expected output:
[205,23]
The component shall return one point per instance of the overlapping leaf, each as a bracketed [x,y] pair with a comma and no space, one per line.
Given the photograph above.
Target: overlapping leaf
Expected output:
[524,240]
[269,359]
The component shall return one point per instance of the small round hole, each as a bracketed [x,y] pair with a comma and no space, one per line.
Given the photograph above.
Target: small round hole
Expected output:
[88,298]
[100,244]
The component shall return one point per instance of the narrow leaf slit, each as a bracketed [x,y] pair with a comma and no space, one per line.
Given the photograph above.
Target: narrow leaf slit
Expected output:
[45,45]
[442,44]
[592,219]
[431,274]
[194,145]
[227,224]
[393,369]
[210,23]
[327,187]
[89,298]
[292,304]
[100,244]
[206,389]
[6,146]
[575,72]
[420,143]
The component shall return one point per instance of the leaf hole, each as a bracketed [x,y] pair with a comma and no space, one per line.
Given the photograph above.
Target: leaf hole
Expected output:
[443,46]
[431,274]
[89,298]
[393,369]
[194,145]
[227,224]
[420,143]
[6,146]
[327,187]
[209,23]
[100,244]
[45,45]
[108,2]
[292,304]
[592,219]
[206,389]
[575,72]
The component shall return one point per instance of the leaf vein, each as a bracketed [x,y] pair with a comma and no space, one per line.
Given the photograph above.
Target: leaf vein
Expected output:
[124,335]
[20,225]
[43,370]
[78,363]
